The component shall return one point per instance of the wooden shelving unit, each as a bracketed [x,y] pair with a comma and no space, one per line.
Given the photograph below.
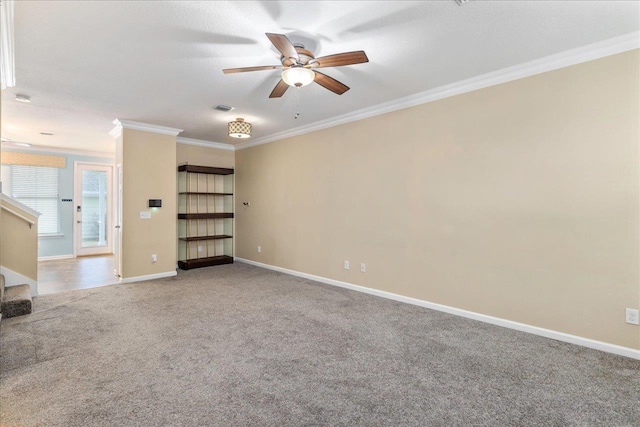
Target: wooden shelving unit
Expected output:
[205,216]
[193,239]
[213,215]
[212,194]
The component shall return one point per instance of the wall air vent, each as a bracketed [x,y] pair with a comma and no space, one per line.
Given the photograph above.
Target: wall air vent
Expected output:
[223,108]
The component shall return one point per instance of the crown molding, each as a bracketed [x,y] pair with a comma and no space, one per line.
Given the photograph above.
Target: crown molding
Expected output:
[129,124]
[58,150]
[203,143]
[564,59]
[116,132]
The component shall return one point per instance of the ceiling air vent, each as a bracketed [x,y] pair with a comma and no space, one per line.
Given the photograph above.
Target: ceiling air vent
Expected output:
[223,108]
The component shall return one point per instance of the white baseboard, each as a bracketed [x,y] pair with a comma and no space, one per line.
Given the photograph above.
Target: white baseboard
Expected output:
[55,257]
[149,277]
[11,278]
[548,333]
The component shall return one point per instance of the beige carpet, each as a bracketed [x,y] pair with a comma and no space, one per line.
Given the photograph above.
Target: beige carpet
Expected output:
[237,345]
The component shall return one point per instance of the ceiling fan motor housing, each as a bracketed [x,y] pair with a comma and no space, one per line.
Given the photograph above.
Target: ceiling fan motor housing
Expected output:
[304,55]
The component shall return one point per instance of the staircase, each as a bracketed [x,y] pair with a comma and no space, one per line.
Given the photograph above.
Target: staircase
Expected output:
[14,300]
[19,248]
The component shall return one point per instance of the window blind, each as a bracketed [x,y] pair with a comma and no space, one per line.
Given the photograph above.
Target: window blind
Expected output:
[37,187]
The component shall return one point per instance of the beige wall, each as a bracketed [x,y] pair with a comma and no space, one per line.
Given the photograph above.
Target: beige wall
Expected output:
[518,201]
[1,215]
[148,172]
[204,156]
[19,243]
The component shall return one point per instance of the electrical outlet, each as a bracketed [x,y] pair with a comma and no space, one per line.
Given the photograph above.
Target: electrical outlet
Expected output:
[145,214]
[363,267]
[259,249]
[154,258]
[633,316]
[346,265]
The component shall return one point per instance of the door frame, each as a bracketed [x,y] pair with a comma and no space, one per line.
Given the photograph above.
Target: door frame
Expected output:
[77,197]
[117,223]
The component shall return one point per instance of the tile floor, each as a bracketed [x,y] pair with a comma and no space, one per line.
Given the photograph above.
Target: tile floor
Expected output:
[75,273]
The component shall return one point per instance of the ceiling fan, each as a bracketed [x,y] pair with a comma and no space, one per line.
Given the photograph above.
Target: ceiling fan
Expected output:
[299,66]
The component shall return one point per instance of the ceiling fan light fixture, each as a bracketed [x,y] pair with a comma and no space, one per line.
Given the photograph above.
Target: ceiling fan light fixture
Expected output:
[298,76]
[239,129]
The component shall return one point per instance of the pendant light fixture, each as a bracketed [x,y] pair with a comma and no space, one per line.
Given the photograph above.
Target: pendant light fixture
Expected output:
[239,129]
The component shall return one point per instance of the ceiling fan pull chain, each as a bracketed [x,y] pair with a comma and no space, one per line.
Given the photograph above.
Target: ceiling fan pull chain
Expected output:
[297,103]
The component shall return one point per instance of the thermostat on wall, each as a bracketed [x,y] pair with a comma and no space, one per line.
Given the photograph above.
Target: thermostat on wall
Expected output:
[155,203]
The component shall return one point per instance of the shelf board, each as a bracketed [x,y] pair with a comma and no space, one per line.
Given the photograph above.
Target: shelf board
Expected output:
[205,169]
[210,215]
[206,194]
[219,236]
[205,262]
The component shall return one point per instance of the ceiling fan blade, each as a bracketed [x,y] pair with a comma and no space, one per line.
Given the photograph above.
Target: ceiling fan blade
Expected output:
[245,69]
[347,58]
[279,90]
[284,46]
[330,83]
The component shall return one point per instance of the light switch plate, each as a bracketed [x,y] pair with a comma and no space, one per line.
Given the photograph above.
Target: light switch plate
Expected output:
[145,214]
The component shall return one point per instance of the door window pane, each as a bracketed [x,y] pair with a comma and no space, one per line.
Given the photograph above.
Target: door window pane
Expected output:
[94,208]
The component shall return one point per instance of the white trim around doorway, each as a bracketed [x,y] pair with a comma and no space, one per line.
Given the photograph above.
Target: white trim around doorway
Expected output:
[110,198]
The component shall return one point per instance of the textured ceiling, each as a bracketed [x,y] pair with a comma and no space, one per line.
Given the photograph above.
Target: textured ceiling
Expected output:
[85,64]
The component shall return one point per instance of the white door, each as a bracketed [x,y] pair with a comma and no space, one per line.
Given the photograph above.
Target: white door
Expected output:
[92,209]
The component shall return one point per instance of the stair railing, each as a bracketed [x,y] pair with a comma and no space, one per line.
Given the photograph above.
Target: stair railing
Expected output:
[30,222]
